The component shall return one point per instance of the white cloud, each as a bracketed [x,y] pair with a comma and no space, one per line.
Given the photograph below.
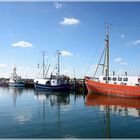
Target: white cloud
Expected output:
[118,59]
[22,44]
[135,43]
[70,21]
[57,5]
[66,53]
[3,65]
[122,36]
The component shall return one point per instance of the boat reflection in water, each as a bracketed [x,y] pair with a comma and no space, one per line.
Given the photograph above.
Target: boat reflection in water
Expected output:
[15,92]
[119,105]
[55,98]
[58,101]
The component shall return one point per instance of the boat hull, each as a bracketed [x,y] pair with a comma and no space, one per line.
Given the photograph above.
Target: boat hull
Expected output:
[17,84]
[51,88]
[112,89]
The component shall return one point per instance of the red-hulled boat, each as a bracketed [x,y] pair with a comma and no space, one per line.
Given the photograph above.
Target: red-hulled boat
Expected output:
[112,89]
[112,85]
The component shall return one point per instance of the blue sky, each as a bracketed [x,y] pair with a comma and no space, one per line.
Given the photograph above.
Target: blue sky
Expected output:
[77,29]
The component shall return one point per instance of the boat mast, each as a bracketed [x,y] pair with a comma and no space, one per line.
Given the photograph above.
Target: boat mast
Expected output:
[105,64]
[107,53]
[58,62]
[43,64]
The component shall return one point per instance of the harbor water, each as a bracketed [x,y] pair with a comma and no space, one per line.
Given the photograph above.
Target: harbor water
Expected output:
[26,113]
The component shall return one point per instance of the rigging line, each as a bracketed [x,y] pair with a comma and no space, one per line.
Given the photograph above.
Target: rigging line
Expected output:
[47,71]
[93,57]
[104,62]
[99,62]
[54,68]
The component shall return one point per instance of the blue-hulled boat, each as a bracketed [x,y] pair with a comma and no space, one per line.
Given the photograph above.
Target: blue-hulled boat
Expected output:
[54,82]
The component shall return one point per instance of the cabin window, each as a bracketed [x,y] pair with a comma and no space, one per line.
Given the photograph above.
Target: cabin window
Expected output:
[48,83]
[114,78]
[136,84]
[119,78]
[138,79]
[109,78]
[104,78]
[125,79]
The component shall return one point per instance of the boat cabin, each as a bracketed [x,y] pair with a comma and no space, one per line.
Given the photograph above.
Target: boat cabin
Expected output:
[121,80]
[53,81]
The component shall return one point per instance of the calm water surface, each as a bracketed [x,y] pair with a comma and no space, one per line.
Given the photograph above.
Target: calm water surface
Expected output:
[25,113]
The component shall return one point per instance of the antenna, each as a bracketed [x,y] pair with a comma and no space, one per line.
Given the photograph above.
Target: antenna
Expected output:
[107,27]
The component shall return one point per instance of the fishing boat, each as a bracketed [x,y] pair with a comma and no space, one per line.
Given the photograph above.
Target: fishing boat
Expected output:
[55,82]
[15,80]
[128,86]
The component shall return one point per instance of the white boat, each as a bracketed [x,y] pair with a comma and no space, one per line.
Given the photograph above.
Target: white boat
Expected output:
[15,80]
[54,82]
